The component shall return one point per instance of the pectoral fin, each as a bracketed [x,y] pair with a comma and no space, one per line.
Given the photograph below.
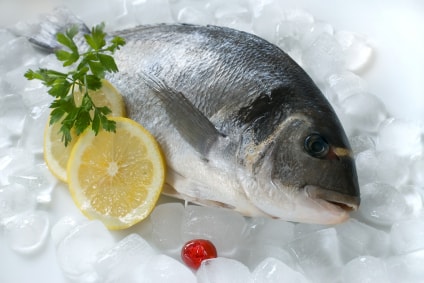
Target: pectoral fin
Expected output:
[168,190]
[192,125]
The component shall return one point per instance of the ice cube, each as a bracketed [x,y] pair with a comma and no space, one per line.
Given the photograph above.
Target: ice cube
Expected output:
[417,171]
[318,254]
[361,143]
[62,228]
[191,11]
[359,239]
[14,159]
[15,199]
[89,278]
[142,11]
[115,264]
[382,204]
[266,18]
[392,169]
[271,270]
[37,179]
[17,52]
[365,269]
[301,20]
[273,232]
[27,232]
[12,113]
[167,220]
[222,269]
[38,101]
[296,54]
[366,165]
[323,57]
[346,84]
[50,62]
[7,139]
[234,15]
[5,36]
[400,137]
[356,48]
[162,269]
[363,111]
[32,134]
[295,24]
[145,229]
[303,229]
[192,15]
[252,254]
[262,7]
[221,226]
[16,82]
[413,198]
[318,28]
[406,268]
[257,247]
[97,11]
[408,235]
[349,126]
[79,250]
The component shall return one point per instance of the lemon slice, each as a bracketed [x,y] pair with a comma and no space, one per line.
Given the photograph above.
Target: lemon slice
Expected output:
[56,154]
[116,177]
[108,96]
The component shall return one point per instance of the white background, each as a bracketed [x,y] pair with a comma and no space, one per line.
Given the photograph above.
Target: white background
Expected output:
[396,30]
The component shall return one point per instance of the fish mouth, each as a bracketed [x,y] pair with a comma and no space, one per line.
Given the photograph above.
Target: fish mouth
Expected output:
[347,203]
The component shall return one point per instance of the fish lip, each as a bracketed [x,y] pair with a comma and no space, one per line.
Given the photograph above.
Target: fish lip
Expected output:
[346,202]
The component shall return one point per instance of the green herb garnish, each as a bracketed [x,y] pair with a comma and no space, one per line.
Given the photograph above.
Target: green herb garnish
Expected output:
[91,67]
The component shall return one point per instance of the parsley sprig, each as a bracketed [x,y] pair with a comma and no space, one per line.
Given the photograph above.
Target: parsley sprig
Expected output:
[91,67]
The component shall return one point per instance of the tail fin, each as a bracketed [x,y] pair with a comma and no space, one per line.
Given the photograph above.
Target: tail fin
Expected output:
[60,20]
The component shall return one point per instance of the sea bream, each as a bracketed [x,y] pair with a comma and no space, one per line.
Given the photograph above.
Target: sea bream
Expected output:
[242,125]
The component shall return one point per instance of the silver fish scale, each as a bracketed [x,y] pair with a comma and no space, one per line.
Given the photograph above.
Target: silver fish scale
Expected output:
[230,68]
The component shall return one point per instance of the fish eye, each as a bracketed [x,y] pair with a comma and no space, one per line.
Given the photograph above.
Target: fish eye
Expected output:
[316,146]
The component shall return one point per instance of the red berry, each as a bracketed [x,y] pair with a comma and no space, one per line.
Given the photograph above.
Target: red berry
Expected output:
[196,251]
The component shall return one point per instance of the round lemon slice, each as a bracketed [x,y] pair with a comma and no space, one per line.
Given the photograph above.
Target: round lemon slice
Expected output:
[108,96]
[56,154]
[116,177]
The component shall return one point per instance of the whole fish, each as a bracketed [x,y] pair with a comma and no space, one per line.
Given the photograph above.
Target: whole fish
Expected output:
[241,124]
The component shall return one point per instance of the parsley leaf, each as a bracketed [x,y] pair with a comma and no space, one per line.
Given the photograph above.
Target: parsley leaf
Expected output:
[91,67]
[97,37]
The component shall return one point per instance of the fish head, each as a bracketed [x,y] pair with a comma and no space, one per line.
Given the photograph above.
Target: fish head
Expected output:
[304,171]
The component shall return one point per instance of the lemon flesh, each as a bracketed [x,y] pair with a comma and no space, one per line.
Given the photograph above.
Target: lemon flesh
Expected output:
[56,154]
[116,177]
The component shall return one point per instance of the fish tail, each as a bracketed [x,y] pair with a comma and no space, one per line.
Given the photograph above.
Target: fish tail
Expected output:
[57,22]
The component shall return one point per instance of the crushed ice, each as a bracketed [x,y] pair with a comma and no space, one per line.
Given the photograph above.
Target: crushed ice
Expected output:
[383,242]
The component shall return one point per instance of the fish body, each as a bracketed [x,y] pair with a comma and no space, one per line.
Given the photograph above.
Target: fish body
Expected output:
[241,124]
